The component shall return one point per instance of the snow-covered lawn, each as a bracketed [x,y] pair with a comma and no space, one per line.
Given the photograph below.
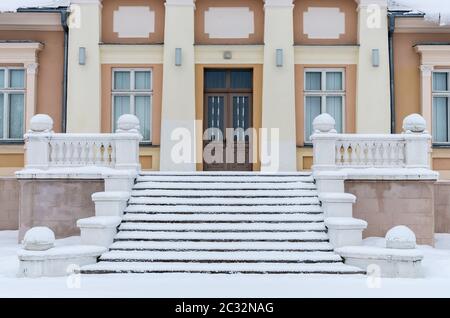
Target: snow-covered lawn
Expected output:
[435,284]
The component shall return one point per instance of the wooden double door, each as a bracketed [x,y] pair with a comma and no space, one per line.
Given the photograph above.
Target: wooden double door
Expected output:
[227,118]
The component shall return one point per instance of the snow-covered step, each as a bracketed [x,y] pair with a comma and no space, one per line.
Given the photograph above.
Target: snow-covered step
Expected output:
[223,227]
[225,257]
[218,178]
[220,268]
[224,186]
[225,173]
[221,246]
[212,217]
[222,222]
[230,236]
[242,201]
[219,208]
[254,193]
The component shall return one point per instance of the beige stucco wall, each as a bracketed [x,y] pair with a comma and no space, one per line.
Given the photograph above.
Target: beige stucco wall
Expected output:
[57,204]
[9,207]
[385,204]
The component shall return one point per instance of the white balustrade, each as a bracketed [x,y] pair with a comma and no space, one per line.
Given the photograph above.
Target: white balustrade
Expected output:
[336,151]
[46,149]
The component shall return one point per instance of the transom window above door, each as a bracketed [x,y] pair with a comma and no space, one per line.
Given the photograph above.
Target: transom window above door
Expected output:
[324,92]
[132,92]
[12,103]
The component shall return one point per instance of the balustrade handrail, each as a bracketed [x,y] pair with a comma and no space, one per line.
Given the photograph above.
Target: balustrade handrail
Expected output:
[46,149]
[337,151]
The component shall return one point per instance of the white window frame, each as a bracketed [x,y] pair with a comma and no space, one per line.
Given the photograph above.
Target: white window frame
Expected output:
[441,94]
[132,93]
[6,91]
[323,93]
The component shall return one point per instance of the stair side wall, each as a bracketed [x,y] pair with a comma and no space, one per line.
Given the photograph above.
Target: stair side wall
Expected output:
[9,207]
[57,204]
[385,204]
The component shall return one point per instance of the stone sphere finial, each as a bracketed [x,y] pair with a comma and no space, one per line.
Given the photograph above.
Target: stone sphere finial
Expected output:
[414,123]
[128,123]
[324,123]
[39,238]
[41,123]
[400,237]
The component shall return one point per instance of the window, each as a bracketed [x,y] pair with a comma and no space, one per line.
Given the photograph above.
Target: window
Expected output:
[441,94]
[12,103]
[132,94]
[324,93]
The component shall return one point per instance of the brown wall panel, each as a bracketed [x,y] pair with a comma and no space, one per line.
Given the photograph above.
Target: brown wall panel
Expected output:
[257,6]
[349,7]
[109,6]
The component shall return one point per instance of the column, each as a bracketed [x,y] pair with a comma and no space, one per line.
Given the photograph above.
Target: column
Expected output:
[84,81]
[31,98]
[278,106]
[426,72]
[178,100]
[373,113]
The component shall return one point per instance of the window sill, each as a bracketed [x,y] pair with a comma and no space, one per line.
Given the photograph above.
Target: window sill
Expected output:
[441,145]
[147,144]
[12,142]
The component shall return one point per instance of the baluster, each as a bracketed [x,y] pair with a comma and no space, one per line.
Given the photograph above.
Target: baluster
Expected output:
[52,153]
[60,155]
[371,150]
[353,154]
[338,160]
[113,154]
[346,157]
[90,153]
[68,152]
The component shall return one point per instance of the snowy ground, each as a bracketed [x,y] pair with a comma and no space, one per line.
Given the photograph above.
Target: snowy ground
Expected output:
[436,283]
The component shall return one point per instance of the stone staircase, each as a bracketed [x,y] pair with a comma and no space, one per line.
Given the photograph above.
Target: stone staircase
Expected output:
[249,223]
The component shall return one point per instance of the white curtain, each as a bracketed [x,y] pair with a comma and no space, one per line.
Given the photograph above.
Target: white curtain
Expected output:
[334,81]
[142,80]
[121,106]
[312,110]
[440,115]
[334,108]
[16,78]
[121,80]
[142,105]
[440,82]
[1,114]
[16,116]
[2,78]
[313,81]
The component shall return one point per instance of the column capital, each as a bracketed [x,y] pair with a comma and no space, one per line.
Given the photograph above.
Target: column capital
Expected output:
[366,3]
[426,70]
[180,3]
[32,68]
[278,4]
[97,2]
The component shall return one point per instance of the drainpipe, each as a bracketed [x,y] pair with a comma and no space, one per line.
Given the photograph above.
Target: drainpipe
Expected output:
[391,17]
[64,18]
[64,12]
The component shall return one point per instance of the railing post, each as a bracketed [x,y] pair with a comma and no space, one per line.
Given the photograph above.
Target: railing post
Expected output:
[324,143]
[37,147]
[127,143]
[417,142]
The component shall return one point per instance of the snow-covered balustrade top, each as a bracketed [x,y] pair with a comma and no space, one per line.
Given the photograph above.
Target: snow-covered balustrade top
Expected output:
[335,151]
[46,149]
